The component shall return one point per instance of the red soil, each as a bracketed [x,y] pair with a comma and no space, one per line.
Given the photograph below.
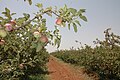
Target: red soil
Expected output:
[60,71]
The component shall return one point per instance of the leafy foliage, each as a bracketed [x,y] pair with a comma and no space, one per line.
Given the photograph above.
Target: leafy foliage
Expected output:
[17,59]
[22,41]
[104,59]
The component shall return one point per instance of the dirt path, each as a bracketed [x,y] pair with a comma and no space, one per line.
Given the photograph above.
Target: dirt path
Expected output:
[60,71]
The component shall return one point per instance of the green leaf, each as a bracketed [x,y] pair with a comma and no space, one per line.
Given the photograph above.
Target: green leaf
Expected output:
[48,9]
[83,18]
[75,27]
[34,45]
[51,36]
[4,13]
[57,42]
[1,18]
[20,21]
[3,33]
[82,10]
[7,13]
[7,10]
[63,24]
[39,5]
[39,47]
[78,22]
[67,13]
[27,16]
[6,48]
[69,26]
[30,2]
[13,14]
[65,7]
[72,10]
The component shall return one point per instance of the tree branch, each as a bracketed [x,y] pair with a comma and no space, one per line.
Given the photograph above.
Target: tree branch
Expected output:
[25,23]
[35,18]
[55,13]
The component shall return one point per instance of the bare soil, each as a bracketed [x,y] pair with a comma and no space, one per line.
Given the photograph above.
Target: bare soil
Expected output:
[61,71]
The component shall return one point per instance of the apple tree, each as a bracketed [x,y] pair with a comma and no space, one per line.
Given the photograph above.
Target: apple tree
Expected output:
[23,40]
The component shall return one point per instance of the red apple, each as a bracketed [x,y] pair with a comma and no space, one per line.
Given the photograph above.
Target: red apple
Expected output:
[2,42]
[13,22]
[21,66]
[43,39]
[59,21]
[8,27]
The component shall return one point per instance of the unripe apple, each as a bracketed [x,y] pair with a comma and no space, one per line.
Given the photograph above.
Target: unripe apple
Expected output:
[59,21]
[36,34]
[3,33]
[21,66]
[2,42]
[8,27]
[13,22]
[43,39]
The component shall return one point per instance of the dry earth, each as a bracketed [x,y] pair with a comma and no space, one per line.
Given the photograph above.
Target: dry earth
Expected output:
[59,70]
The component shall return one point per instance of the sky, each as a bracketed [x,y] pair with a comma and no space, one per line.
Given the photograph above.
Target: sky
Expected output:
[101,14]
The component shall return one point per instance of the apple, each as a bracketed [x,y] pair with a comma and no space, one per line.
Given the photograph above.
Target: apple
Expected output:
[12,22]
[2,42]
[44,39]
[0,26]
[3,33]
[36,34]
[59,21]
[21,66]
[8,27]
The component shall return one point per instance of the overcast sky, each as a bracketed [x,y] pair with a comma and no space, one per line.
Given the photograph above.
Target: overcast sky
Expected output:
[101,14]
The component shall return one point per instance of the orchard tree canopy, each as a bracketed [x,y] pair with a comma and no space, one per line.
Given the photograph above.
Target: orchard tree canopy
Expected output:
[23,40]
[65,16]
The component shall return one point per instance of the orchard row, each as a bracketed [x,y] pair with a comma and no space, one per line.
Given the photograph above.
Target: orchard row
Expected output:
[102,61]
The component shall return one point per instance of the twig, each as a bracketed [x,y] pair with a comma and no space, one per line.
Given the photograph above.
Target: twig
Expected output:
[25,23]
[55,13]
